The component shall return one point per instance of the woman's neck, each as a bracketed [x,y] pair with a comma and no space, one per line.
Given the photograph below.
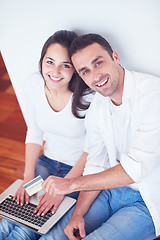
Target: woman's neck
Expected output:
[57,99]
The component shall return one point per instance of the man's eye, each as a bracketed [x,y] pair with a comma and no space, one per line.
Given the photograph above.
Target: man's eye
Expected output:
[85,72]
[98,63]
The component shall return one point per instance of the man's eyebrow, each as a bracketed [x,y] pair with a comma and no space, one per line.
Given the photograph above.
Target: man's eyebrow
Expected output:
[93,61]
[96,59]
[81,69]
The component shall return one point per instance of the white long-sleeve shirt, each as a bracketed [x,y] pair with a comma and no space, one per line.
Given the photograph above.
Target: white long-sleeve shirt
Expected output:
[137,147]
[63,133]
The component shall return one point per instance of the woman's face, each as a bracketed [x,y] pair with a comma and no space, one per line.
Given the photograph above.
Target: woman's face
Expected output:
[57,69]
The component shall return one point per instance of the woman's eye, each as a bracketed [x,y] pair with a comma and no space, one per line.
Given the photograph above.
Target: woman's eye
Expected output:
[65,66]
[49,62]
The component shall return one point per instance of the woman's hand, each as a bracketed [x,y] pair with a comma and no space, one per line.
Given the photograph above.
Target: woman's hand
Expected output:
[48,202]
[21,195]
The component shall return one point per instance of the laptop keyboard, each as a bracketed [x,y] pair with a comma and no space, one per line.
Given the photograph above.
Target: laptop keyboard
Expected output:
[25,212]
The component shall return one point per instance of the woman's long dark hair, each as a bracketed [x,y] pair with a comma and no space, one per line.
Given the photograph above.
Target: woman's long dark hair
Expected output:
[76,84]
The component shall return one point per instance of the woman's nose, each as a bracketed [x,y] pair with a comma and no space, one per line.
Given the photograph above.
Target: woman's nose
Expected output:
[56,70]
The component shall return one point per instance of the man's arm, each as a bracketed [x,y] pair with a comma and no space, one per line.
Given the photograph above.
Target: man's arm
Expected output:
[111,178]
[83,204]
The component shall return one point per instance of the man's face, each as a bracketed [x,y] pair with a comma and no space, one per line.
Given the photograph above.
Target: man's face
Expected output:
[98,70]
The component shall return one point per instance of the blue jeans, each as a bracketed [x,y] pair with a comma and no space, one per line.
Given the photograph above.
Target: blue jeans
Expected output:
[45,167]
[116,214]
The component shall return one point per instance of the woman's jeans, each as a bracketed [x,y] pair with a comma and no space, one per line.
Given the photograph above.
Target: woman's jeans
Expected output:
[45,167]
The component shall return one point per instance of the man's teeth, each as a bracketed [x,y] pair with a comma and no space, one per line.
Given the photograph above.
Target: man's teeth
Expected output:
[99,85]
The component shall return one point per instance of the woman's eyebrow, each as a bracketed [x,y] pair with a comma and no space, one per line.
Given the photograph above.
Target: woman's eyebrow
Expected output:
[67,62]
[50,58]
[62,62]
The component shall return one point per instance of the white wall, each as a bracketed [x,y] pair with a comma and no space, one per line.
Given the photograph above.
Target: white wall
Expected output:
[131,26]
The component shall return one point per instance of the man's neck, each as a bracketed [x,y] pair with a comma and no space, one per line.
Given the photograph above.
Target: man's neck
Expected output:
[117,97]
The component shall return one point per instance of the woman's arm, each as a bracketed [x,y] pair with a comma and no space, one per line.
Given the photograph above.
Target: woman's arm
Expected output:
[77,170]
[84,202]
[32,152]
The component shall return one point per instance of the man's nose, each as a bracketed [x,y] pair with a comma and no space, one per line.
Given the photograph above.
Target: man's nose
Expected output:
[96,75]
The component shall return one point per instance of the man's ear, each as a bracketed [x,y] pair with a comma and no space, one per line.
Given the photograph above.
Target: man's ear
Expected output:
[115,57]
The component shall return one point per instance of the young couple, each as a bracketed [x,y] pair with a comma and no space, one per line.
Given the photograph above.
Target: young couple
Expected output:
[116,147]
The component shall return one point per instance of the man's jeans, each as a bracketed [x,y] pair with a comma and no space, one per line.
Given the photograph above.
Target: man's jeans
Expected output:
[116,214]
[45,167]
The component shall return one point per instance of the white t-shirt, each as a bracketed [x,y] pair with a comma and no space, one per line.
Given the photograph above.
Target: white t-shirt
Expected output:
[119,119]
[63,133]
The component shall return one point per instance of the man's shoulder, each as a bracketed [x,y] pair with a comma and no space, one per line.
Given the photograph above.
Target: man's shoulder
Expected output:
[146,81]
[98,102]
[147,90]
[98,105]
[99,98]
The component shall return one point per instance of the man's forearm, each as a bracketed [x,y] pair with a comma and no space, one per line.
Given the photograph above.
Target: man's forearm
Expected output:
[84,202]
[111,178]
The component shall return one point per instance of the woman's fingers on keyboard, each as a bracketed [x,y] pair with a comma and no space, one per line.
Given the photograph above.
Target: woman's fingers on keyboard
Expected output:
[26,197]
[21,196]
[43,208]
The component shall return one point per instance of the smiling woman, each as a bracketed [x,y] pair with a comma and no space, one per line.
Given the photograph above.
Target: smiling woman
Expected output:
[57,72]
[57,100]
[50,97]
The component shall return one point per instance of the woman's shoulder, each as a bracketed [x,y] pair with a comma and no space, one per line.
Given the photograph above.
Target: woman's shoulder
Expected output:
[33,85]
[33,81]
[33,78]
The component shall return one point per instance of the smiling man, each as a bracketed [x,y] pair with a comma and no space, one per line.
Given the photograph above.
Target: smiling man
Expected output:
[123,138]
[92,63]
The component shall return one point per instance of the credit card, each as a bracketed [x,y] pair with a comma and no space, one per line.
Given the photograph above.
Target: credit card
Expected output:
[34,185]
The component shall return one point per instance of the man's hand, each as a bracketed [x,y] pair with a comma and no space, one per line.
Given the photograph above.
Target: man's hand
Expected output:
[48,202]
[56,185]
[76,223]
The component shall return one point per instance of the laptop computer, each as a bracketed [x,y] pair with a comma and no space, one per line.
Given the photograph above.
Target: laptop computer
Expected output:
[25,216]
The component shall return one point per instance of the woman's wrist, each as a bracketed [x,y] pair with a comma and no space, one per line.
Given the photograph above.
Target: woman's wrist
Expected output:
[28,176]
